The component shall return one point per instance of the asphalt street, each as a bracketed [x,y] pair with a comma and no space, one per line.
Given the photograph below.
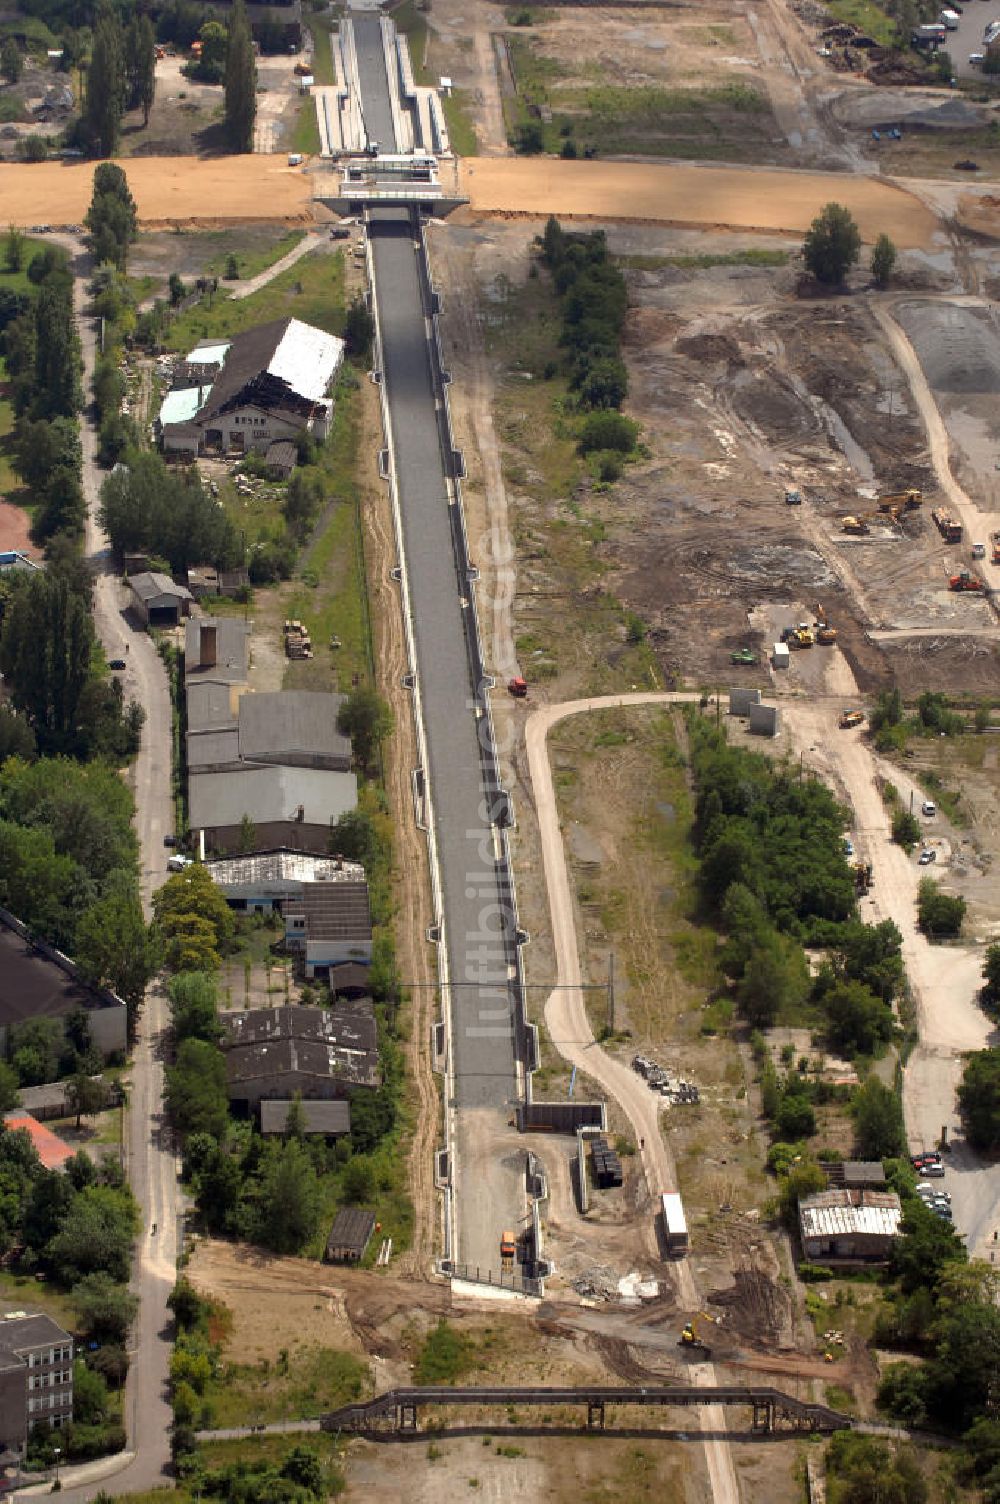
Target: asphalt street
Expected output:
[151,1162]
[375,101]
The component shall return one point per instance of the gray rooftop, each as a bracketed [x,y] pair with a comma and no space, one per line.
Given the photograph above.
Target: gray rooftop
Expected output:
[149,586]
[329,1043]
[270,795]
[22,1330]
[291,725]
[352,1229]
[831,1214]
[338,912]
[211,705]
[231,650]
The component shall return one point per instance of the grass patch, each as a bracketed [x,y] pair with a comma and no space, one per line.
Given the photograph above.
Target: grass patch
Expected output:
[322,58]
[868,16]
[252,262]
[312,290]
[412,24]
[752,256]
[458,116]
[19,1290]
[445,1356]
[249,1449]
[302,1384]
[305,135]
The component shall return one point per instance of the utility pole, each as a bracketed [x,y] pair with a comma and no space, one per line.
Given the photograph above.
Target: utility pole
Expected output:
[611,993]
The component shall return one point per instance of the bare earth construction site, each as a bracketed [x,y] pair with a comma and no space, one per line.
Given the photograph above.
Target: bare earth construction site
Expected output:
[796,449]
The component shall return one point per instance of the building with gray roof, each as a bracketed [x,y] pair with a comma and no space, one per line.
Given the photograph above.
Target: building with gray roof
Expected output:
[321,1053]
[36,1376]
[38,981]
[294,727]
[157,600]
[331,1119]
[293,807]
[330,924]
[268,880]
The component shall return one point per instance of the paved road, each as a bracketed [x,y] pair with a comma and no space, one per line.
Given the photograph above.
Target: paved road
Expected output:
[478,923]
[570,1032]
[152,1165]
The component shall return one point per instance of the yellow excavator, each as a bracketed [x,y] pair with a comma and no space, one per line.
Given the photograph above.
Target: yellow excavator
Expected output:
[691,1342]
[896,501]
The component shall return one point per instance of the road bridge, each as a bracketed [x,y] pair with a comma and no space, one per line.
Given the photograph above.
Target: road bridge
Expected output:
[398,1410]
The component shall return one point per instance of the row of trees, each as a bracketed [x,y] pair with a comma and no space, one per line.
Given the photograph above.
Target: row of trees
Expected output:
[593,303]
[147,507]
[121,76]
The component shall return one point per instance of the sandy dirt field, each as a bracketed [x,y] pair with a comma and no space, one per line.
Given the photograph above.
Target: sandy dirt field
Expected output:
[14,524]
[220,189]
[762,199]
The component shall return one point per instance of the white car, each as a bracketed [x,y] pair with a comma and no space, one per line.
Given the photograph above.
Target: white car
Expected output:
[928,807]
[178,863]
[977,59]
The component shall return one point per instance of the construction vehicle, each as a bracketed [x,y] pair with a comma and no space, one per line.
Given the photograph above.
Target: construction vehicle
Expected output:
[744,656]
[965,580]
[826,635]
[849,718]
[508,1249]
[802,636]
[856,526]
[690,1341]
[518,688]
[979,550]
[904,501]
[950,530]
[793,498]
[862,878]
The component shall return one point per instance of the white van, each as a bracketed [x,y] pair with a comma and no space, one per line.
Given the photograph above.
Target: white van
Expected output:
[950,19]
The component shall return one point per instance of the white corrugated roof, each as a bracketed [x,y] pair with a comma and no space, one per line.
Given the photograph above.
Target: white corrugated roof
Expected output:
[307,359]
[209,355]
[823,1216]
[182,406]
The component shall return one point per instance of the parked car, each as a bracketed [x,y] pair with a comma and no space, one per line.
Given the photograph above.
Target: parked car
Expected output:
[927,856]
[934,1170]
[170,840]
[928,807]
[178,863]
[848,846]
[117,664]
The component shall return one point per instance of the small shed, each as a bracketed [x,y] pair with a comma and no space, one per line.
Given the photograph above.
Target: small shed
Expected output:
[158,601]
[350,1235]
[280,459]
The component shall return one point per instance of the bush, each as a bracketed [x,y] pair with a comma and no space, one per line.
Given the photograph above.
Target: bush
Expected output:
[795,1118]
[608,430]
[939,915]
[906,829]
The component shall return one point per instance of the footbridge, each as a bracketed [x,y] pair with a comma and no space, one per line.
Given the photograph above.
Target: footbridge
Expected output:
[398,1411]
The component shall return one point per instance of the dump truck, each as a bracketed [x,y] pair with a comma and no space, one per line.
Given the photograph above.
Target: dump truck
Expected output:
[950,530]
[849,718]
[675,1232]
[965,580]
[518,688]
[904,501]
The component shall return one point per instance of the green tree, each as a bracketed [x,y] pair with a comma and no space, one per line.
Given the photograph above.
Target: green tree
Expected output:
[289,1202]
[926,1249]
[240,82]
[979,1099]
[91,1400]
[796,1118]
[113,947]
[58,389]
[13,250]
[858,1022]
[196,1089]
[87,1096]
[883,261]
[112,219]
[192,894]
[963,1367]
[304,500]
[140,65]
[107,85]
[608,430]
[45,653]
[96,1235]
[832,244]
[248,839]
[775,981]
[189,943]
[9,1097]
[989,994]
[906,829]
[11,61]
[359,328]
[211,65]
[193,1007]
[939,914]
[104,1309]
[367,720]
[878,1121]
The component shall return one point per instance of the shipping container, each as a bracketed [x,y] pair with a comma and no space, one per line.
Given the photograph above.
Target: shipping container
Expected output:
[675,1233]
[780,655]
